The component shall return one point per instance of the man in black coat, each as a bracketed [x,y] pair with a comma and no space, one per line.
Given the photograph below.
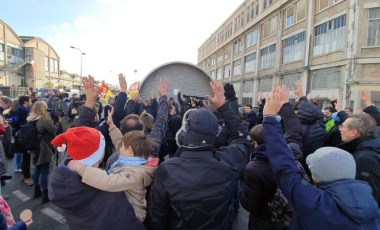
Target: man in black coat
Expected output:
[195,190]
[85,207]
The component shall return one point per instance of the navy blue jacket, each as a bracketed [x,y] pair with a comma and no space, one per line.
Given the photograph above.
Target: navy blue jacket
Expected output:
[18,226]
[313,129]
[251,118]
[258,176]
[345,204]
[85,207]
[366,153]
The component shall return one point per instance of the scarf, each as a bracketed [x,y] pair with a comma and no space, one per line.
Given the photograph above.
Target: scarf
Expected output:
[6,211]
[127,161]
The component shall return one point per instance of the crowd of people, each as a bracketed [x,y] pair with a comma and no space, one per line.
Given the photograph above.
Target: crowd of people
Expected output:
[195,163]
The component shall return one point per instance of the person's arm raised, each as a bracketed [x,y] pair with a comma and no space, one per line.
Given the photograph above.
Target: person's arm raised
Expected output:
[87,114]
[122,98]
[160,125]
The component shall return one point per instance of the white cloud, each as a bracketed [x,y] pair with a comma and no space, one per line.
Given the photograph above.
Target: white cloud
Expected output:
[140,35]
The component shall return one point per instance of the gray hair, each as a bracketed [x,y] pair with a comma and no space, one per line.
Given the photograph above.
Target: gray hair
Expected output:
[364,123]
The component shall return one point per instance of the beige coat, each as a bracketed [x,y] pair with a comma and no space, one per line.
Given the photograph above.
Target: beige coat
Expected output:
[132,180]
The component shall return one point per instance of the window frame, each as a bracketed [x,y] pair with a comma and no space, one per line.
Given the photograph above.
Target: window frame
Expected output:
[377,43]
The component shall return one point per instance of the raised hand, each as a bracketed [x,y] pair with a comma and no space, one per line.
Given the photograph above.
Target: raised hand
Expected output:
[366,97]
[109,118]
[259,97]
[163,86]
[273,103]
[91,91]
[298,91]
[332,98]
[122,83]
[217,88]
[338,105]
[284,94]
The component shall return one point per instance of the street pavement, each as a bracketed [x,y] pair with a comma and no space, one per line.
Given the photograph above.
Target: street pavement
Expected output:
[45,216]
[49,217]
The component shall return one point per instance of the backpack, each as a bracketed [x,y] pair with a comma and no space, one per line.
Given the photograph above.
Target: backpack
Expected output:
[28,136]
[279,208]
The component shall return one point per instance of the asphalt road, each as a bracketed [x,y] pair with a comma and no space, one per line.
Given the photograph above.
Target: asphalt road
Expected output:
[49,217]
[45,216]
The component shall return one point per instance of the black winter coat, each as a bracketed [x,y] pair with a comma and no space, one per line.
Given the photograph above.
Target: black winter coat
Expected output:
[195,190]
[367,157]
[85,207]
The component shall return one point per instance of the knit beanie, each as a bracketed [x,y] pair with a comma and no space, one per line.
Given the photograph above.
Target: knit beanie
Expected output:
[83,144]
[199,128]
[331,164]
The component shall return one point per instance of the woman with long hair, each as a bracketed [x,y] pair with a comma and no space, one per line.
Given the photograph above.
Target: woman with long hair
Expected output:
[43,154]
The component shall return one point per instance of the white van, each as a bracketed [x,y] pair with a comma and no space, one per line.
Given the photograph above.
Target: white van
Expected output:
[72,91]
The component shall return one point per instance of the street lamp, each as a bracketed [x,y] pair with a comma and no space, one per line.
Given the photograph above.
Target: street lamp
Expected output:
[81,78]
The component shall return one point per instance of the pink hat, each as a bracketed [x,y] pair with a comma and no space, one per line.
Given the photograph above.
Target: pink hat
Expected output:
[83,144]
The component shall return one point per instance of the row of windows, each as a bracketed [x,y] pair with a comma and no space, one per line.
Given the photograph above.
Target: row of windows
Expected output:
[292,15]
[52,63]
[330,36]
[15,52]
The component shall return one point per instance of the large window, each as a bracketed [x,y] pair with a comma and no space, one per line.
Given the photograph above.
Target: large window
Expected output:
[373,37]
[268,57]
[323,4]
[330,36]
[2,52]
[219,73]
[250,63]
[267,3]
[46,64]
[294,48]
[227,53]
[220,57]
[269,28]
[237,67]
[238,46]
[295,13]
[52,65]
[325,78]
[212,74]
[227,71]
[251,38]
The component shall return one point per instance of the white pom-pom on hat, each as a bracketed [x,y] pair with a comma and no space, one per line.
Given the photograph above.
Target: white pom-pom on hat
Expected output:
[62,148]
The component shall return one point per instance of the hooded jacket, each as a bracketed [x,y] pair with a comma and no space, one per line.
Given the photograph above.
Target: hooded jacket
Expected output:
[342,204]
[85,207]
[313,129]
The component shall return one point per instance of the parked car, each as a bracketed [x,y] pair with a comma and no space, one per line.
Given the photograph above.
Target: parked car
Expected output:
[72,91]
[42,91]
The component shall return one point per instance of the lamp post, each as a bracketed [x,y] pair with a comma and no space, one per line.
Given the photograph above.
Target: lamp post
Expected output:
[81,78]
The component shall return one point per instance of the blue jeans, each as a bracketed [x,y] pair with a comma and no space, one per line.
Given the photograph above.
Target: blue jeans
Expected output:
[40,176]
[17,160]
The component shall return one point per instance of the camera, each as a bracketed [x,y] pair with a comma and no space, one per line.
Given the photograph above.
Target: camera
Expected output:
[195,97]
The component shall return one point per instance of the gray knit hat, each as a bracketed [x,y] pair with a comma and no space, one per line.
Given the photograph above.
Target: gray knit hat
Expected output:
[331,164]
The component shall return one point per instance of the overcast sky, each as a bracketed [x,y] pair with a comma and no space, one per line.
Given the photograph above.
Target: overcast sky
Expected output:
[119,35]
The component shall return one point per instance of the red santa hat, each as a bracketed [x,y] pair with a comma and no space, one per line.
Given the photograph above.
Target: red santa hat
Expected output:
[83,144]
